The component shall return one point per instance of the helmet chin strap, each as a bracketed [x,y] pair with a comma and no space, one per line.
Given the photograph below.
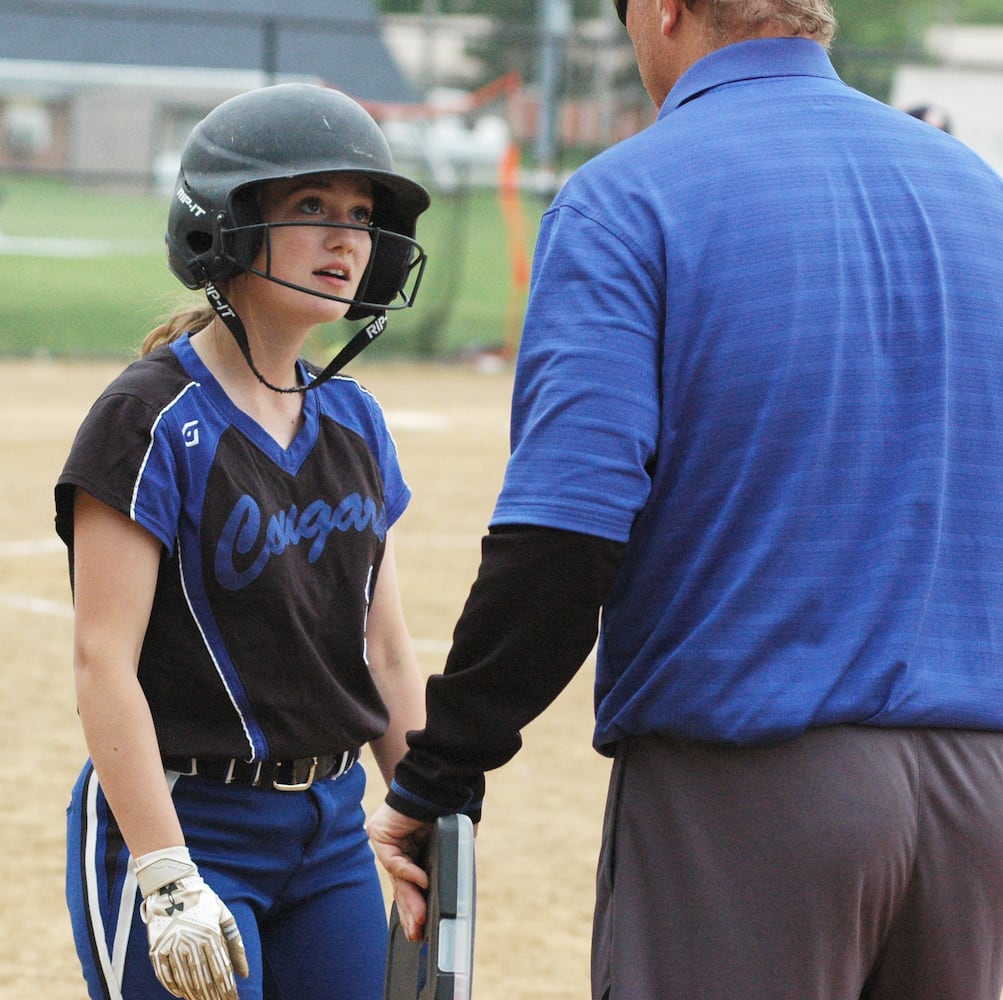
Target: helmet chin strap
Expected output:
[362,339]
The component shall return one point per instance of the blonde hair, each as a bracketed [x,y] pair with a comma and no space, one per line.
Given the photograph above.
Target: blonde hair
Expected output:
[734,20]
[188,318]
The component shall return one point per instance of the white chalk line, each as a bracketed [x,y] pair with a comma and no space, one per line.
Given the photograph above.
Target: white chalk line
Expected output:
[31,547]
[59,247]
[64,609]
[21,548]
[37,605]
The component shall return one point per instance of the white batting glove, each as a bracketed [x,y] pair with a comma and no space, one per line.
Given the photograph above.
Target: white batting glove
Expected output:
[195,946]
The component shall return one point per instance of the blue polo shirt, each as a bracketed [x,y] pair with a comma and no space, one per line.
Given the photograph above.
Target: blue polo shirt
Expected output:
[764,348]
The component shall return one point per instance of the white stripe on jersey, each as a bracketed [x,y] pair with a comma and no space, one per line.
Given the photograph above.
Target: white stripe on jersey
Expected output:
[153,436]
[255,753]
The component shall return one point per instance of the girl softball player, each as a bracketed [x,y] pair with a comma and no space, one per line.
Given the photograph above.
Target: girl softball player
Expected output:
[239,636]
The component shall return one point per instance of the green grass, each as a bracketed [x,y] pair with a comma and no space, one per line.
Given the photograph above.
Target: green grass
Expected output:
[102,306]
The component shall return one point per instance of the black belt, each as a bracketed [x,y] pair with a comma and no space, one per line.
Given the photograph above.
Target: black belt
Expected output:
[282,775]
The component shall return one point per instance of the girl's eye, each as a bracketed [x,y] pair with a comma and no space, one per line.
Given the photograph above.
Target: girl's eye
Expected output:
[312,206]
[362,215]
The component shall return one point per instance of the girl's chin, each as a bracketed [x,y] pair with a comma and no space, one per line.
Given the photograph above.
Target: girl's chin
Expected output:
[325,311]
[334,305]
[299,308]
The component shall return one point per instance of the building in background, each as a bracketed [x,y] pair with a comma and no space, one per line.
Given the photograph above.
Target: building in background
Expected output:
[110,89]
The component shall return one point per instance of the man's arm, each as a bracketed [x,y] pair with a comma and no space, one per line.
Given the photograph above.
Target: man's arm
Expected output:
[529,623]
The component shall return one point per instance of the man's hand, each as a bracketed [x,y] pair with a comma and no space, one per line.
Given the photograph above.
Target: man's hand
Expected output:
[398,840]
[195,946]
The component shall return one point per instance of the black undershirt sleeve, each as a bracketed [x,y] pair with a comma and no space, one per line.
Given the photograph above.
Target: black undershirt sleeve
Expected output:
[530,621]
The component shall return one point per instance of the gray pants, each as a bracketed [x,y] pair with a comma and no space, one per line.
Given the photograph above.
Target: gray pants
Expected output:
[849,863]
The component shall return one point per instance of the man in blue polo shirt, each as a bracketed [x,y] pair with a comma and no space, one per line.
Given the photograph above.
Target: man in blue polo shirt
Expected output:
[758,422]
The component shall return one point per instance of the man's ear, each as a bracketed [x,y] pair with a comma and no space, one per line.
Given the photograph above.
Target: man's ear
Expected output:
[669,11]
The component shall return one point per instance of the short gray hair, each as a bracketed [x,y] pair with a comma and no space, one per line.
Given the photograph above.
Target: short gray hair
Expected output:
[733,20]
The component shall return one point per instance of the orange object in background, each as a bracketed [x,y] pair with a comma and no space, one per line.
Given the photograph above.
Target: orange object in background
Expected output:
[511,205]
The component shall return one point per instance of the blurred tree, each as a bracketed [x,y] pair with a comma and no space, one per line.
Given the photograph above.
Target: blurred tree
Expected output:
[875,36]
[977,11]
[513,44]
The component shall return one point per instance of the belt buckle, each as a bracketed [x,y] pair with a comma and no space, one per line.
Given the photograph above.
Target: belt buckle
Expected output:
[300,786]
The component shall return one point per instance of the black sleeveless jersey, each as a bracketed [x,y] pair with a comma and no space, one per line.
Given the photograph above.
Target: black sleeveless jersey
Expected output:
[256,646]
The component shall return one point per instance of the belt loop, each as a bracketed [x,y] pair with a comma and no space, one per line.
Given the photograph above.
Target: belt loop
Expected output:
[193,768]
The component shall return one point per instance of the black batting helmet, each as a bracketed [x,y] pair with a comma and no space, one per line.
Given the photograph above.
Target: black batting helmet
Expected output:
[214,228]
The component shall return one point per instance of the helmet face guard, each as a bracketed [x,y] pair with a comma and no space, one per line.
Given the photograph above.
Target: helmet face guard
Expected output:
[215,229]
[391,279]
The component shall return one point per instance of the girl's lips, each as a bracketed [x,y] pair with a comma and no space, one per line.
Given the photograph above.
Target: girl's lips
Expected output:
[338,278]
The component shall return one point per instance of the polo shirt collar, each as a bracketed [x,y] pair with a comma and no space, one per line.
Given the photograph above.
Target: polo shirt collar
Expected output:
[750,60]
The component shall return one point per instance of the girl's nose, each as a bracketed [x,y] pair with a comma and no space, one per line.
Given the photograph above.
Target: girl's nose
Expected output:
[346,237]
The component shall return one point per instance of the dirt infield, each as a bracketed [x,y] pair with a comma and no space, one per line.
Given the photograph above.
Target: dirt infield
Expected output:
[538,842]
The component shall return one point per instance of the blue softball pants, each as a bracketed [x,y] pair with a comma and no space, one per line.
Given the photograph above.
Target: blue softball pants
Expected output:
[295,869]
